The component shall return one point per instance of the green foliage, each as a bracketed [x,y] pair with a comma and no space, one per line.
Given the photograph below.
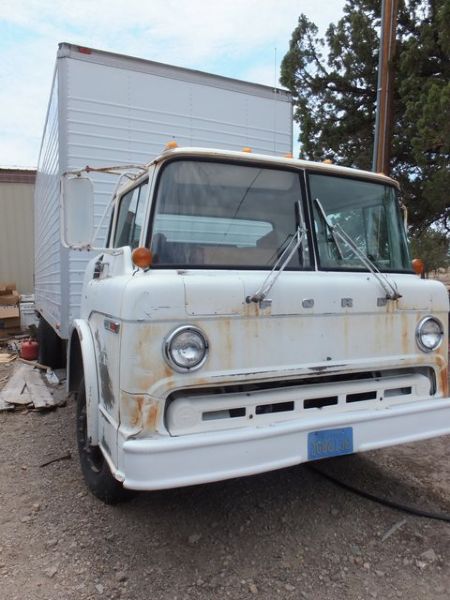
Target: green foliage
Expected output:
[333,82]
[433,248]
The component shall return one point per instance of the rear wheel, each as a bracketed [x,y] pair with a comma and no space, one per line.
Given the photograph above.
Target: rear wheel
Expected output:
[51,346]
[94,467]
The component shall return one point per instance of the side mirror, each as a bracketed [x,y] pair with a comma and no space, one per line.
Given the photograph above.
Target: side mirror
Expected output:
[77,212]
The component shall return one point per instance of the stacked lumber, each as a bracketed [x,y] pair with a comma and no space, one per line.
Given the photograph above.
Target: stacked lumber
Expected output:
[26,389]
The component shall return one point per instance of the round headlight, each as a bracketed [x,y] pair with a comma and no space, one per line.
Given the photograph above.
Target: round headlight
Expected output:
[186,348]
[429,334]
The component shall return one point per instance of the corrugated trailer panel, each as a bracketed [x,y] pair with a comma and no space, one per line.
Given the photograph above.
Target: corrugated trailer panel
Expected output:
[47,269]
[117,110]
[122,115]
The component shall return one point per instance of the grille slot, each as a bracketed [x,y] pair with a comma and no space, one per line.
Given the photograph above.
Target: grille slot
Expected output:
[320,402]
[404,391]
[361,396]
[212,415]
[264,409]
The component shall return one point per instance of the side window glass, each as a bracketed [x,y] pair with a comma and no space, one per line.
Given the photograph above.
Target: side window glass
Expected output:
[131,217]
[139,218]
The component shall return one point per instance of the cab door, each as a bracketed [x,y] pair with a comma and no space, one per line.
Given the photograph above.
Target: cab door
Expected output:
[110,276]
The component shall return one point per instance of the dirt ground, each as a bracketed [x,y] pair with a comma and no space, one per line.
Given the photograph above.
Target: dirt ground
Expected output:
[287,534]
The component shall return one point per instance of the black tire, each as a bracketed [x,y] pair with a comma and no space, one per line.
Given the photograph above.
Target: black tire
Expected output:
[94,467]
[51,347]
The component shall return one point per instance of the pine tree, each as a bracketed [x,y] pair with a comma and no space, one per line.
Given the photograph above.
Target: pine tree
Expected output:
[333,82]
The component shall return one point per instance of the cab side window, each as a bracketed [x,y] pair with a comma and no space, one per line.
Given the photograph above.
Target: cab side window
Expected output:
[130,218]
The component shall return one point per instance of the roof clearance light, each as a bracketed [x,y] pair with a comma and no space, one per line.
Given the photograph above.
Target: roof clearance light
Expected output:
[171,145]
[142,258]
[288,155]
[84,50]
[328,161]
[246,149]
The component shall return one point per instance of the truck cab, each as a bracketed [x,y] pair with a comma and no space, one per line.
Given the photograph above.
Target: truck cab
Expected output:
[249,313]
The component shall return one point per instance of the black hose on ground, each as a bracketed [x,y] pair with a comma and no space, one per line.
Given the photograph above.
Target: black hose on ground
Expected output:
[384,501]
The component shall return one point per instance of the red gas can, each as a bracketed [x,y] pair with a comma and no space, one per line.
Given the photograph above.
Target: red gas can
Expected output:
[29,350]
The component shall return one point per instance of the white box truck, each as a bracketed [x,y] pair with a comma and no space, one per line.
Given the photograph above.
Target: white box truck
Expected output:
[244,311]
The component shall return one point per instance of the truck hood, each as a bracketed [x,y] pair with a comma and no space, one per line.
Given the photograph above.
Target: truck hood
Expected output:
[315,323]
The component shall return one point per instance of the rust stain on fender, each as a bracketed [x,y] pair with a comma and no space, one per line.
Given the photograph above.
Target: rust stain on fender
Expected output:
[144,382]
[139,412]
[167,371]
[443,376]
[441,359]
[150,369]
[225,346]
[392,306]
[152,417]
[405,333]
[136,414]
[143,339]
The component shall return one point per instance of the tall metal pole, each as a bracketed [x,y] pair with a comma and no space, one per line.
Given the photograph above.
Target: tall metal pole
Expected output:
[383,118]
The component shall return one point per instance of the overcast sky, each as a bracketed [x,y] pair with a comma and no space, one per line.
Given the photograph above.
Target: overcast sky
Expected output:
[235,38]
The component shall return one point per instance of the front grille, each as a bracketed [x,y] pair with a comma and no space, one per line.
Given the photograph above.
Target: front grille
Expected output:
[195,411]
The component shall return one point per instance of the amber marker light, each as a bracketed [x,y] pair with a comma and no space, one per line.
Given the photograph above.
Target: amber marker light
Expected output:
[288,155]
[418,266]
[142,258]
[171,145]
[246,149]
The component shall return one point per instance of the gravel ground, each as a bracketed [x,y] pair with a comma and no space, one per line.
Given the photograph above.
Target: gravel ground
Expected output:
[286,534]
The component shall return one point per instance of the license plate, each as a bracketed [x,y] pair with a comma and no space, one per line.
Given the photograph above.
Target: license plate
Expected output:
[330,442]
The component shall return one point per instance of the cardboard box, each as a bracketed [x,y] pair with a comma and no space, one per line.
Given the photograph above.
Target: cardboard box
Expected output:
[9,312]
[9,316]
[8,333]
[9,320]
[10,299]
[6,288]
[10,323]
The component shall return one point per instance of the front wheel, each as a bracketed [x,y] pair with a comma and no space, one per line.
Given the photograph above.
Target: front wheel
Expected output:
[94,467]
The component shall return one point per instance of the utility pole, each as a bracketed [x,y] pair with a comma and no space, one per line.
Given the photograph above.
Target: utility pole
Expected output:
[383,119]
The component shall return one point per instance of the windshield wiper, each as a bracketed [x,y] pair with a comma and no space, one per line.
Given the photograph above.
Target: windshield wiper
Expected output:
[279,266]
[337,231]
[330,227]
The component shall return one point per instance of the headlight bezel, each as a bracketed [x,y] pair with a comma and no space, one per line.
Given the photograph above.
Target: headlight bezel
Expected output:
[419,332]
[167,345]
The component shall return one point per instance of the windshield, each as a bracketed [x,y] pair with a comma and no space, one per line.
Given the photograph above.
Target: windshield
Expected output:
[369,213]
[212,214]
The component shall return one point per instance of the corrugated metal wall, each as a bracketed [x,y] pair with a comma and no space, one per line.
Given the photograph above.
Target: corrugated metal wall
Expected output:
[16,228]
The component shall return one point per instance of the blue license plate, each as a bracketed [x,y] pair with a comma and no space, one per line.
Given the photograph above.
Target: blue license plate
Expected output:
[330,442]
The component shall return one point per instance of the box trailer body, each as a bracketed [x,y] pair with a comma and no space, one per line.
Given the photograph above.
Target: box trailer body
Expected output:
[108,109]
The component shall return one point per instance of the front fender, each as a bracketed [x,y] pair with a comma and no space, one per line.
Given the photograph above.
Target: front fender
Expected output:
[81,361]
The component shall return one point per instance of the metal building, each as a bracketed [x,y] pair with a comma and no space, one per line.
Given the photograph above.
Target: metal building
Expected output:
[16,228]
